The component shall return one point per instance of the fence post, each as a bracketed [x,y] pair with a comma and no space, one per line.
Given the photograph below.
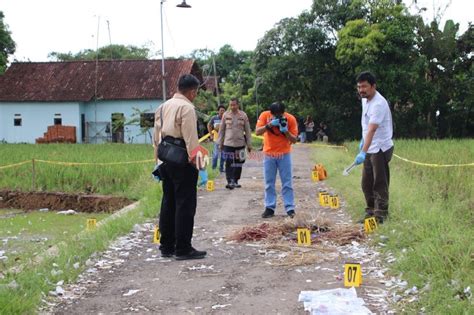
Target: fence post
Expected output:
[33,175]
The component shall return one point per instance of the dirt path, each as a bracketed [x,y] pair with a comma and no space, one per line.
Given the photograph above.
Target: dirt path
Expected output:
[235,278]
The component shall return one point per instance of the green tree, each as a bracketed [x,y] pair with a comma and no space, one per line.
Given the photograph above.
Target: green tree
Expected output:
[107,52]
[7,45]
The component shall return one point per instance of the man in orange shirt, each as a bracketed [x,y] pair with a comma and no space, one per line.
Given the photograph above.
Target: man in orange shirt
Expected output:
[280,131]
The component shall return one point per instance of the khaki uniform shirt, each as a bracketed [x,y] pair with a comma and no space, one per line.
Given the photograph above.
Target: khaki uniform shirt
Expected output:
[235,130]
[179,121]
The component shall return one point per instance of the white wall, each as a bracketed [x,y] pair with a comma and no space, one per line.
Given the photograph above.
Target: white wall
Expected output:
[36,117]
[102,112]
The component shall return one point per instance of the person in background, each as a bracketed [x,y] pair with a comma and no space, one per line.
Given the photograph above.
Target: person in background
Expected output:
[322,131]
[234,136]
[376,147]
[301,130]
[213,128]
[279,130]
[176,120]
[309,125]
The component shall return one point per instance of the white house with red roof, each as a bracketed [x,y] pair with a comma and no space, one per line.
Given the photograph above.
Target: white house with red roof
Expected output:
[93,97]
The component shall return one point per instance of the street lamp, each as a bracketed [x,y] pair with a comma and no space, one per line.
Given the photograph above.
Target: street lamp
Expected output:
[182,5]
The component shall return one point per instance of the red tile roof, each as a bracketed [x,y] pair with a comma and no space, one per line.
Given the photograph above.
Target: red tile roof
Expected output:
[75,80]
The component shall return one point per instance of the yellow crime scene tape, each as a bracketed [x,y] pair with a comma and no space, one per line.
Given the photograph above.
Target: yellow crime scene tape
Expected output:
[431,164]
[14,165]
[206,137]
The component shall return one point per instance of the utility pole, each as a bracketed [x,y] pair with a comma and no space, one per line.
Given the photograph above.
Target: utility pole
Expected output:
[162,53]
[215,80]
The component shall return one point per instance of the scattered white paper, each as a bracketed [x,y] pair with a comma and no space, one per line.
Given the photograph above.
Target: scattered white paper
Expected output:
[131,292]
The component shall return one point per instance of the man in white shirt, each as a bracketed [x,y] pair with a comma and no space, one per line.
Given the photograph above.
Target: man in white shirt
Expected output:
[376,147]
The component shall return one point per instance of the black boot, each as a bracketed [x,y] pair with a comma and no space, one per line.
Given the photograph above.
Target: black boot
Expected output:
[230,185]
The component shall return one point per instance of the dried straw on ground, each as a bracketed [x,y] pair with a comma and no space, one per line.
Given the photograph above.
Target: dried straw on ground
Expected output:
[344,235]
[300,256]
[279,237]
[274,231]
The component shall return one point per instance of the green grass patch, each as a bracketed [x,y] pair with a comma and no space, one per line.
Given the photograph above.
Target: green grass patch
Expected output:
[132,180]
[123,180]
[36,280]
[27,234]
[431,217]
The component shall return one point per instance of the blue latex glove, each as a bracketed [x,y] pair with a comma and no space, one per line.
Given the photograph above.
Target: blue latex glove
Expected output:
[361,144]
[155,174]
[202,177]
[283,129]
[275,122]
[360,158]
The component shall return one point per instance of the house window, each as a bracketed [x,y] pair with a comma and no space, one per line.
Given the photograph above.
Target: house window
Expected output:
[17,120]
[57,119]
[147,120]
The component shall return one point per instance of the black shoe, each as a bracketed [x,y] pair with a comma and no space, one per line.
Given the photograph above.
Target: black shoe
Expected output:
[268,213]
[193,254]
[230,186]
[237,185]
[167,254]
[380,220]
[291,213]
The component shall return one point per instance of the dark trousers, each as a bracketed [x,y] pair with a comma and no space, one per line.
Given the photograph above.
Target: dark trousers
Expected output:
[376,181]
[178,207]
[233,163]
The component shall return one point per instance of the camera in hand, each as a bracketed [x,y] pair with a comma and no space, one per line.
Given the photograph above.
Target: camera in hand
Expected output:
[283,121]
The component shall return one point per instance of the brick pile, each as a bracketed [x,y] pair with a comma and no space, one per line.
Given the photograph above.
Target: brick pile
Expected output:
[58,134]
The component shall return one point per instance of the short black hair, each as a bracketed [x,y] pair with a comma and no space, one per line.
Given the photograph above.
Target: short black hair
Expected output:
[366,76]
[235,99]
[220,106]
[188,82]
[277,108]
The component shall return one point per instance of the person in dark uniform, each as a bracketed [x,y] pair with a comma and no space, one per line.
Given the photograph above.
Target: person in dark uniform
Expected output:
[176,120]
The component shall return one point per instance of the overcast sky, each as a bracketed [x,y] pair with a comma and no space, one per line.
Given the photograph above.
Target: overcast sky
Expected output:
[42,26]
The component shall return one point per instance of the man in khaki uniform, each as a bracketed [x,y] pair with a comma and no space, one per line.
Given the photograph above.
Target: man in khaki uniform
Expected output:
[176,118]
[234,136]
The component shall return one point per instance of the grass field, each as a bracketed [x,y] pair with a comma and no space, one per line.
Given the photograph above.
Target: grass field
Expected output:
[128,180]
[430,229]
[30,231]
[27,234]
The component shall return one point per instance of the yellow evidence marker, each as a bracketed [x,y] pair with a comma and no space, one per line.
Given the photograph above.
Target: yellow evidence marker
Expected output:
[320,195]
[325,200]
[210,185]
[304,236]
[352,275]
[370,225]
[156,235]
[91,224]
[315,176]
[334,200]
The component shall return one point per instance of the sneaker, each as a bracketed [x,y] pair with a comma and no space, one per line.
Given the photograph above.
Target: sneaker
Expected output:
[193,254]
[291,213]
[237,185]
[268,213]
[230,186]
